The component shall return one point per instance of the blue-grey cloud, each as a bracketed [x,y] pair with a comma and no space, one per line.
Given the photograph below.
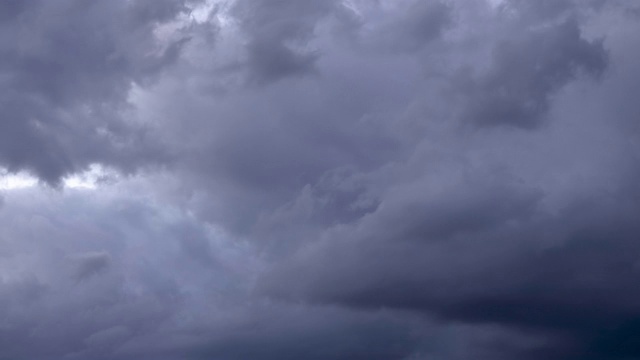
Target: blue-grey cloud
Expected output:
[67,69]
[527,71]
[319,179]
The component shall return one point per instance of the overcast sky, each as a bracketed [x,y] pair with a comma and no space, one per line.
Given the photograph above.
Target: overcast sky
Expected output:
[319,179]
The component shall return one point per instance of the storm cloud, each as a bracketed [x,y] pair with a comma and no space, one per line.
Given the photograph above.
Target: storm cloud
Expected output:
[67,68]
[302,179]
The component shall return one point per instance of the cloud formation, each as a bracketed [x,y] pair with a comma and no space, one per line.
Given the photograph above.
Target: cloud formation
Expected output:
[67,69]
[319,179]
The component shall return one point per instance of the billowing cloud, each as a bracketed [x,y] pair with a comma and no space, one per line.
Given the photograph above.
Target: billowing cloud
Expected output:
[348,179]
[527,71]
[274,29]
[66,72]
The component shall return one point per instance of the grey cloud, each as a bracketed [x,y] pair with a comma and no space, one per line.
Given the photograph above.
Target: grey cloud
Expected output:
[194,242]
[272,61]
[415,25]
[352,337]
[539,10]
[90,264]
[155,301]
[517,258]
[249,152]
[324,201]
[471,206]
[566,274]
[13,8]
[67,70]
[579,286]
[423,23]
[101,300]
[423,222]
[359,111]
[106,338]
[526,72]
[278,34]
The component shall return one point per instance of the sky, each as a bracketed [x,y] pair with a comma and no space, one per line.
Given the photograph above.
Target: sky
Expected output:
[319,179]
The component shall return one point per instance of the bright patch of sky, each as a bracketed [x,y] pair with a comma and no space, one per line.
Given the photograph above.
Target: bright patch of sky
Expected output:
[89,179]
[21,180]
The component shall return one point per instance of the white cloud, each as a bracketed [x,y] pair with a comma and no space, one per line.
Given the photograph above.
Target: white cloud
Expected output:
[16,181]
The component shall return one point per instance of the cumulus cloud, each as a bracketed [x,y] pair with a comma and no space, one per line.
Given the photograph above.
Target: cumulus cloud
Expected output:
[277,32]
[66,72]
[526,72]
[319,179]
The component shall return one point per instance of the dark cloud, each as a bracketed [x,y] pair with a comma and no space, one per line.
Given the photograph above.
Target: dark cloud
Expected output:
[67,70]
[566,273]
[90,264]
[287,179]
[579,287]
[13,8]
[377,337]
[411,28]
[278,33]
[527,71]
[143,297]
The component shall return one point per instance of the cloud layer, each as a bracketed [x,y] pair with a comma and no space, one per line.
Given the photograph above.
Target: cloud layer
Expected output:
[290,179]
